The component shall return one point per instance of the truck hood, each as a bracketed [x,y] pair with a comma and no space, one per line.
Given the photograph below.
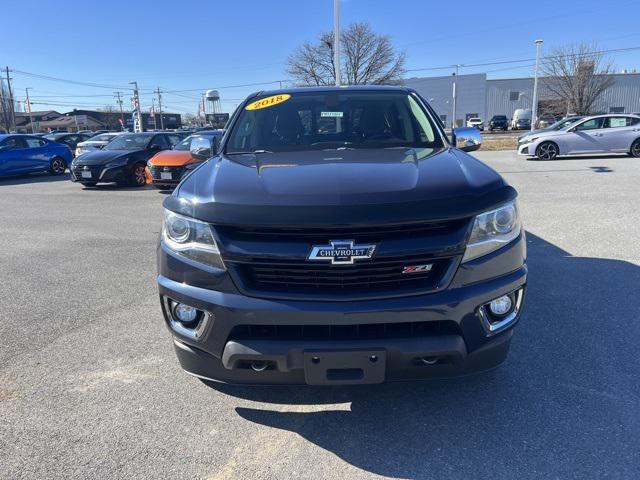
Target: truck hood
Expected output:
[339,187]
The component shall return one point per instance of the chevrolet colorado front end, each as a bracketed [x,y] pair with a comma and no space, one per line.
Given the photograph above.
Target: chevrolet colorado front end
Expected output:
[339,237]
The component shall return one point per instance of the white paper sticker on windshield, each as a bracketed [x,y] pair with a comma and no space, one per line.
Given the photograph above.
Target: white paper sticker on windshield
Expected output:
[331,114]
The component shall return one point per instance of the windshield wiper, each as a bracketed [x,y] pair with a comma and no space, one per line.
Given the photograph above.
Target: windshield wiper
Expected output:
[338,148]
[249,153]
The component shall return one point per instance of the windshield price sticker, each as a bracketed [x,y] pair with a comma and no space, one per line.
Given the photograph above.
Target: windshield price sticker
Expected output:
[331,114]
[268,102]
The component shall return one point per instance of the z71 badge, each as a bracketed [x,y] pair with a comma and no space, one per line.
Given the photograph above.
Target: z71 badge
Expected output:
[418,268]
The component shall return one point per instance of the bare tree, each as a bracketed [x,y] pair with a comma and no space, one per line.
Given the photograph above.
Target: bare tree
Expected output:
[5,107]
[578,74]
[366,58]
[189,119]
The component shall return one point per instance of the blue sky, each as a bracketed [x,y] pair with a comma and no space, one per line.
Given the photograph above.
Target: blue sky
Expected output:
[194,45]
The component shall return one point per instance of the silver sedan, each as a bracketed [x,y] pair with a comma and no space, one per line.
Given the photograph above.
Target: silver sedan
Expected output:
[596,134]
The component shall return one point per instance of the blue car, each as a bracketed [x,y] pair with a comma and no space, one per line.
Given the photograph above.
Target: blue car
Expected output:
[20,154]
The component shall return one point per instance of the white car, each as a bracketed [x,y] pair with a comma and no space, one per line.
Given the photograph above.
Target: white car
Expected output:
[597,134]
[475,123]
[95,143]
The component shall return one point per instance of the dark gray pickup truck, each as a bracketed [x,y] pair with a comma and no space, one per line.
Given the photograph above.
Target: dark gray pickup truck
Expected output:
[337,237]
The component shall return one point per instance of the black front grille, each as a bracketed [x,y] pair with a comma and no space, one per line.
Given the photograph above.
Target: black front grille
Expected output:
[273,261]
[95,173]
[360,279]
[365,331]
[176,172]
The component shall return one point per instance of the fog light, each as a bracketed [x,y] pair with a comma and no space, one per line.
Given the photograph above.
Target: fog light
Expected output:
[501,305]
[185,313]
[502,312]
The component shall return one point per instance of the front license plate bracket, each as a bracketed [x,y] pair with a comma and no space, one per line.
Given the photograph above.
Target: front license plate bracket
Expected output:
[344,367]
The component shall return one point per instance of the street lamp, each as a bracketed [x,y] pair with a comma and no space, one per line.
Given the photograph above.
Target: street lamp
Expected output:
[336,40]
[534,109]
[455,94]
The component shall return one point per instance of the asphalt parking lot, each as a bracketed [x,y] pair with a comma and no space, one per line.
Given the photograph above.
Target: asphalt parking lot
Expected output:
[90,386]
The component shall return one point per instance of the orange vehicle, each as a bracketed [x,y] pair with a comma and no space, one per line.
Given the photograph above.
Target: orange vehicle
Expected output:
[167,168]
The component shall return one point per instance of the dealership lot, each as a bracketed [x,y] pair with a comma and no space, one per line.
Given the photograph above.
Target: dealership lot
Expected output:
[90,387]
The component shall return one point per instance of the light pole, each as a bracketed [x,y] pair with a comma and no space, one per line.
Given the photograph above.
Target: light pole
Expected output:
[455,94]
[534,108]
[336,40]
[27,105]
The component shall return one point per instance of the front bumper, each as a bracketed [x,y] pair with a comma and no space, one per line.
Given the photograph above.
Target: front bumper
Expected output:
[526,149]
[100,173]
[463,347]
[172,175]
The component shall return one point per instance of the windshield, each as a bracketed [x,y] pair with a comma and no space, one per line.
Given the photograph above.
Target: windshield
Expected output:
[330,120]
[133,141]
[563,123]
[500,117]
[186,143]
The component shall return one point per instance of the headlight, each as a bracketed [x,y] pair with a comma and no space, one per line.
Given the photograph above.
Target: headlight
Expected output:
[529,139]
[191,238]
[492,230]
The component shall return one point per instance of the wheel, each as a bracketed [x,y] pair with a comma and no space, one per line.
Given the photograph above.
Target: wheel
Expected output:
[138,175]
[635,148]
[88,184]
[58,166]
[547,151]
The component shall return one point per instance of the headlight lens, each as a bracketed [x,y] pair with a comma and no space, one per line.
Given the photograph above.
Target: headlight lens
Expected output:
[492,230]
[191,238]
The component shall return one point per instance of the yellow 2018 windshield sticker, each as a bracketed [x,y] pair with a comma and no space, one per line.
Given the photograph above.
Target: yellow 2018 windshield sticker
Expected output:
[268,101]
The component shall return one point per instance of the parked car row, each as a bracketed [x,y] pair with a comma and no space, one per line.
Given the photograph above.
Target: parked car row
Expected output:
[136,158]
[125,158]
[521,120]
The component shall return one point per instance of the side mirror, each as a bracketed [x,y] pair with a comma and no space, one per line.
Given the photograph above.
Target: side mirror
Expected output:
[155,147]
[466,139]
[5,148]
[201,153]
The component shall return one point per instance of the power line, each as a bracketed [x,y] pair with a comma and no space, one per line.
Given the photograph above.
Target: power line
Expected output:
[505,62]
[65,80]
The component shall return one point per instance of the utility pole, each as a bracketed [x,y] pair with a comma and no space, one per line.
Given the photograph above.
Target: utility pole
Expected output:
[160,108]
[11,107]
[455,95]
[153,113]
[534,108]
[336,40]
[117,95]
[27,105]
[136,96]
